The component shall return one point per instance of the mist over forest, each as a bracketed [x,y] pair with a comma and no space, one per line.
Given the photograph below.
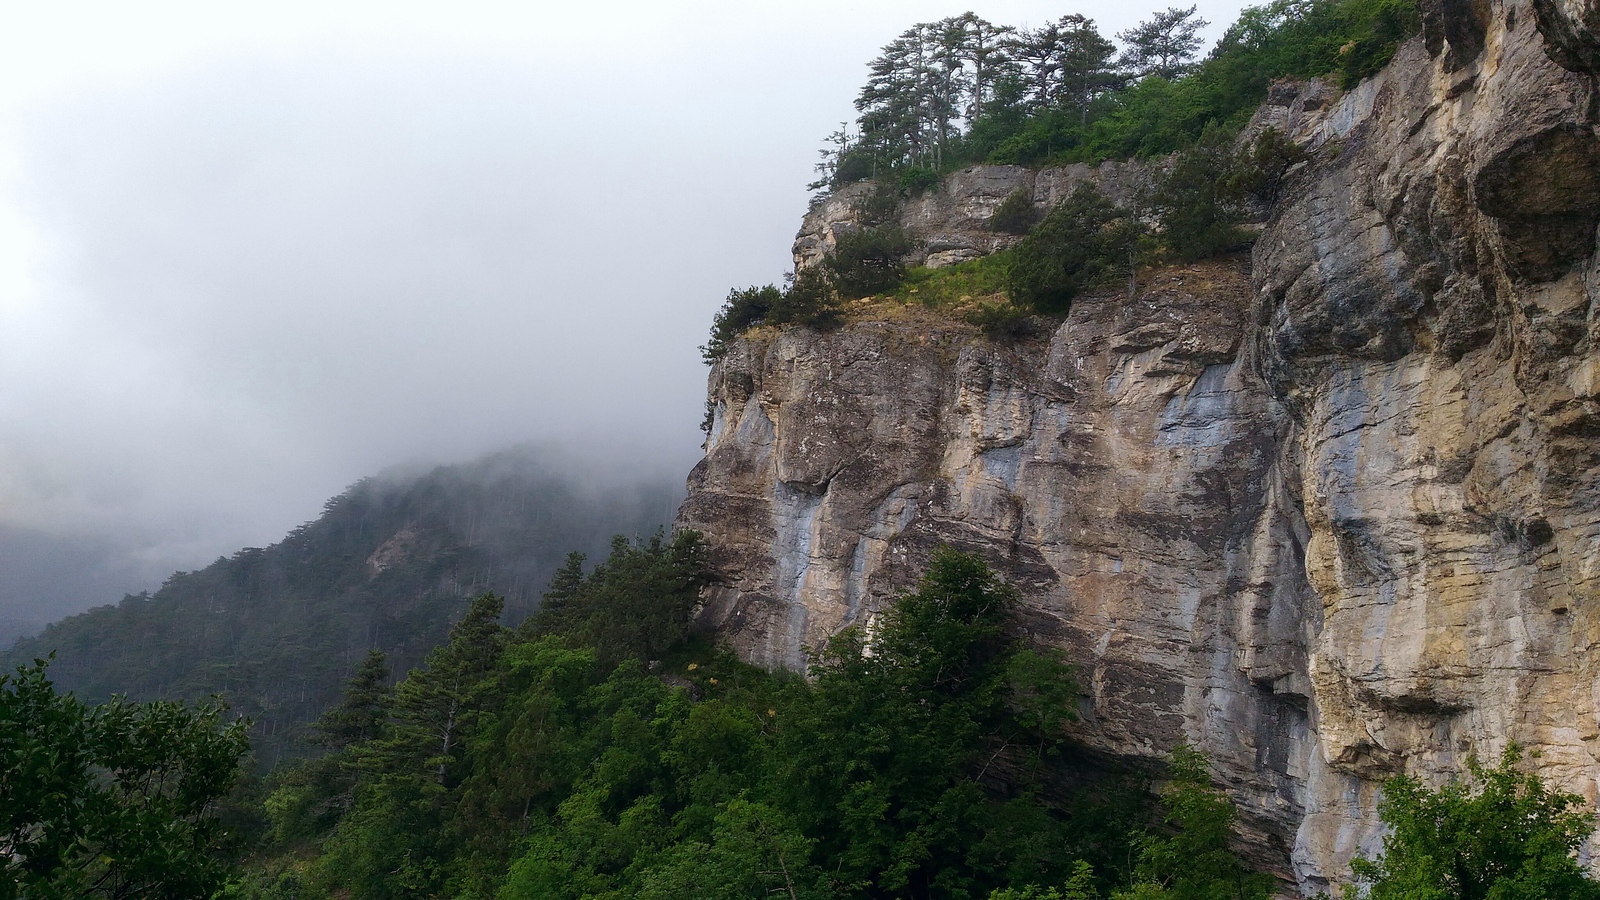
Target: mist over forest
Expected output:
[249,256]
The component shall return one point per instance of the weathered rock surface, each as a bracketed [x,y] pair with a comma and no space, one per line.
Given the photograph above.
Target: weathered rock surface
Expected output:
[951,224]
[1331,519]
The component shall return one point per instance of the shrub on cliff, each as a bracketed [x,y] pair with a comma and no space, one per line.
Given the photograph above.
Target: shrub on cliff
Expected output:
[809,299]
[879,206]
[869,261]
[1015,214]
[1213,186]
[1196,202]
[744,308]
[1083,242]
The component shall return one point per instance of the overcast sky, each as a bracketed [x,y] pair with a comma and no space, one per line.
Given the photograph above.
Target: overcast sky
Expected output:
[250,253]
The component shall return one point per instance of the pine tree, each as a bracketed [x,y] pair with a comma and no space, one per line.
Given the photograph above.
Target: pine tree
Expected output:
[1064,64]
[1165,45]
[364,708]
[437,704]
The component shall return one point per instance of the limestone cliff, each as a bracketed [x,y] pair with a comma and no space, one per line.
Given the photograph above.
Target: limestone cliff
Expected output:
[1330,516]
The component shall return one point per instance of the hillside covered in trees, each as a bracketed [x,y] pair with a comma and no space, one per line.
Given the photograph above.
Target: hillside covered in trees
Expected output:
[388,565]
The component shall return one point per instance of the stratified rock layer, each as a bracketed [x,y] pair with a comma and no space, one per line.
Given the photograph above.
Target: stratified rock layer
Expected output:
[1331,519]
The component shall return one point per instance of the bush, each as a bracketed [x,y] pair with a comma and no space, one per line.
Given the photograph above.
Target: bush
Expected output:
[743,308]
[870,261]
[1502,834]
[1084,241]
[1259,171]
[879,206]
[1212,188]
[855,164]
[1015,214]
[1002,322]
[810,301]
[1198,211]
[913,180]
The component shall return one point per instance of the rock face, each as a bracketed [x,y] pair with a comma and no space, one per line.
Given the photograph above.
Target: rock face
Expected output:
[951,225]
[1330,517]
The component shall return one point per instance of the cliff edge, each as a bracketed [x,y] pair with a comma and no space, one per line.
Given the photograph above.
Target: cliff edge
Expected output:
[1331,514]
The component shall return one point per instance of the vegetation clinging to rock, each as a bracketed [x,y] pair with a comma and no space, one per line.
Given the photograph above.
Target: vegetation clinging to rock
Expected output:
[1084,241]
[1062,93]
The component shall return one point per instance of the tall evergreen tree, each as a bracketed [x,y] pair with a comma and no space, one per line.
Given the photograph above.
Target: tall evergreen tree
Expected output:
[983,47]
[364,708]
[1165,45]
[1065,63]
[436,705]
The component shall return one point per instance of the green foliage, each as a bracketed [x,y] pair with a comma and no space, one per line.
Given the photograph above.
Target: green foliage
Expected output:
[1015,214]
[636,604]
[115,800]
[1194,862]
[888,757]
[1083,242]
[1283,39]
[1164,45]
[952,285]
[809,300]
[278,631]
[391,841]
[361,712]
[879,206]
[913,180]
[586,759]
[1057,94]
[1257,173]
[1002,321]
[1199,214]
[1212,187]
[743,309]
[1080,886]
[1499,835]
[868,261]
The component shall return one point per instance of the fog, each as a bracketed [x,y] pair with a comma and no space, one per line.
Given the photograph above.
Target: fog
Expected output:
[250,256]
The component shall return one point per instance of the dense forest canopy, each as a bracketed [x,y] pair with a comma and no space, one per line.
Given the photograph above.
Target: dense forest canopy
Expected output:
[580,756]
[388,565]
[963,90]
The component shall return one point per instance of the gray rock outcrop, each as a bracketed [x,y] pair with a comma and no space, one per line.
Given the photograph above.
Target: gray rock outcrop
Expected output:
[1330,517]
[951,224]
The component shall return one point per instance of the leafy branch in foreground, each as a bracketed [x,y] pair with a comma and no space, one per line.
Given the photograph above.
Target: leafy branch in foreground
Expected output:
[1499,834]
[116,800]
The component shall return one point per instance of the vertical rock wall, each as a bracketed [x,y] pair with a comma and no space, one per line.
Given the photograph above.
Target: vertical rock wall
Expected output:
[1331,519]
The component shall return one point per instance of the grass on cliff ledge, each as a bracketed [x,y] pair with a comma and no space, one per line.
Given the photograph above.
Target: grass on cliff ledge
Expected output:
[953,287]
[973,293]
[941,295]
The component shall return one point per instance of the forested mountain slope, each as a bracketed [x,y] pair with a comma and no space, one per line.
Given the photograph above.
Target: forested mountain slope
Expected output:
[389,564]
